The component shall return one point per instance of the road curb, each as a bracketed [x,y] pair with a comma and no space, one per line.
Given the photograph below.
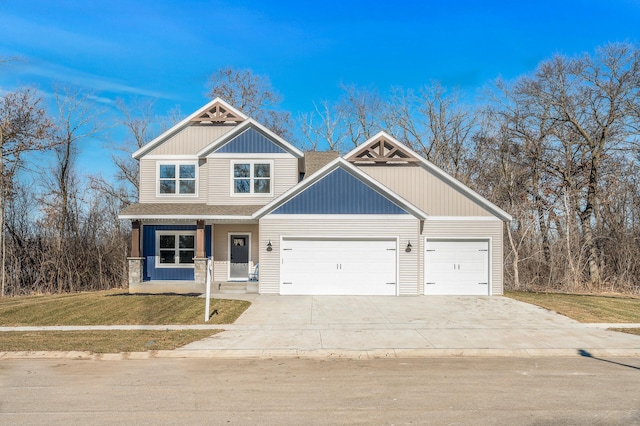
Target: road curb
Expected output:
[323,354]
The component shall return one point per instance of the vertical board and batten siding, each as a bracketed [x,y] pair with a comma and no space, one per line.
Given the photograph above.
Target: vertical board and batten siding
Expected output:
[425,190]
[149,253]
[285,175]
[272,228]
[149,184]
[472,229]
[251,141]
[191,139]
[221,248]
[339,192]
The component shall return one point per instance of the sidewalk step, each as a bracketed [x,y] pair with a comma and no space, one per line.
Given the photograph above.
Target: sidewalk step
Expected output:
[232,288]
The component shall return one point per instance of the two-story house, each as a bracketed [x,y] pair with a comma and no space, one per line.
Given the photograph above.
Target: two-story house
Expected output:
[379,220]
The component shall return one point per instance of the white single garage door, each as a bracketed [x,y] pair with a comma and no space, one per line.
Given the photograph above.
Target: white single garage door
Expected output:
[338,267]
[457,267]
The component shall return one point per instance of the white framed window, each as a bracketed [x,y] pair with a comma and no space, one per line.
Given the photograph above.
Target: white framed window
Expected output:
[177,178]
[252,177]
[175,249]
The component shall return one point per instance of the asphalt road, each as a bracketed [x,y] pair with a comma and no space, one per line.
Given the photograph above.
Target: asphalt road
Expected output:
[514,391]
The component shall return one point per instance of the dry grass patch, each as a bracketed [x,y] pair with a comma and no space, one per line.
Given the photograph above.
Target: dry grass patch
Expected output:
[635,331]
[115,307]
[585,308]
[111,341]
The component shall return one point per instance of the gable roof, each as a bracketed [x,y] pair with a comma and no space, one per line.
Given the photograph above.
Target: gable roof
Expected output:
[351,170]
[381,149]
[497,211]
[339,192]
[249,124]
[215,111]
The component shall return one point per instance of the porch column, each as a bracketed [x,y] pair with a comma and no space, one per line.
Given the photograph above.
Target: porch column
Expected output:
[200,239]
[135,238]
[200,261]
[135,273]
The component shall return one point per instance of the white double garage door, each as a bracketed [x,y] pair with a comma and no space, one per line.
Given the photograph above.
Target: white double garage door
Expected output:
[313,266]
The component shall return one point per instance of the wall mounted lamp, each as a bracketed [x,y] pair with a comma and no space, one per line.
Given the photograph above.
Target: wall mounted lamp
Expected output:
[269,246]
[408,249]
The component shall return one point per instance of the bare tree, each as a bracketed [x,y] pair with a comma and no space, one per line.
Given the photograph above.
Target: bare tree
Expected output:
[76,121]
[589,98]
[24,127]
[252,94]
[362,110]
[405,122]
[569,125]
[324,125]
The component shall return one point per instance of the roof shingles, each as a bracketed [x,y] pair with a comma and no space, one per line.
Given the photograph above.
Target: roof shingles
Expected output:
[315,160]
[171,210]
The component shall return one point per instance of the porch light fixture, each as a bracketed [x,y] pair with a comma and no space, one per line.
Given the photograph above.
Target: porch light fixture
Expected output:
[408,249]
[269,247]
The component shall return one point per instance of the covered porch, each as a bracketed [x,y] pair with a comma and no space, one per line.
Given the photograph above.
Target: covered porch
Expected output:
[170,254]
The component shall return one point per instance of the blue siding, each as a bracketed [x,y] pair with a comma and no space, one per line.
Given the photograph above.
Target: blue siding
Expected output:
[149,253]
[339,192]
[251,142]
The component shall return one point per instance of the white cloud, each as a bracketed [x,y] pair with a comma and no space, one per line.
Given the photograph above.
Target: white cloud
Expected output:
[50,73]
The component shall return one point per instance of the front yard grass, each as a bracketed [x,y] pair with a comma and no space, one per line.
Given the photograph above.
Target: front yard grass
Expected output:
[585,308]
[114,307]
[109,341]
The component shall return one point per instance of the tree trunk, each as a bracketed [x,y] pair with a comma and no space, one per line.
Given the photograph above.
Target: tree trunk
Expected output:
[516,259]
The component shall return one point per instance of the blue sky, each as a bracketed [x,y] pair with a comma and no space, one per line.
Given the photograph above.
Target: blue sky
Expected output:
[165,50]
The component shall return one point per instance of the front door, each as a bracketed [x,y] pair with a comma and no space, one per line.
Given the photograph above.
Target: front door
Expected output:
[239,256]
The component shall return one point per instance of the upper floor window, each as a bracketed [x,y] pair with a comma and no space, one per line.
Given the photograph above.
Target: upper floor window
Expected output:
[252,177]
[177,179]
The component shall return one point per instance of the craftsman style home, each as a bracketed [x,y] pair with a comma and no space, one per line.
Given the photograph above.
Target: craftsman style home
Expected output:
[379,220]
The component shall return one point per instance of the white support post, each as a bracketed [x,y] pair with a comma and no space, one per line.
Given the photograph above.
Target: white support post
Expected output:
[208,291]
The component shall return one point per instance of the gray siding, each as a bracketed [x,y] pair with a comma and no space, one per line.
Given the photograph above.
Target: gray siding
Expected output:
[444,229]
[271,229]
[285,175]
[190,140]
[148,184]
[221,248]
[426,191]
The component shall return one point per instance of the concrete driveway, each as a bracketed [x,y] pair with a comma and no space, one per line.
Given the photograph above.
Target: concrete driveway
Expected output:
[374,326]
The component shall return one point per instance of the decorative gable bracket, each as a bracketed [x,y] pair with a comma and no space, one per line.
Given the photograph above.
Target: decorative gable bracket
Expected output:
[382,151]
[218,113]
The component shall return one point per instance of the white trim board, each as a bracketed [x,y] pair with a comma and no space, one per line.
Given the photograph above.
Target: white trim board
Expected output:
[406,216]
[249,156]
[184,217]
[463,218]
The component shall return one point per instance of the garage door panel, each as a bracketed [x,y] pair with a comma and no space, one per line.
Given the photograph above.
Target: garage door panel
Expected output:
[457,267]
[341,267]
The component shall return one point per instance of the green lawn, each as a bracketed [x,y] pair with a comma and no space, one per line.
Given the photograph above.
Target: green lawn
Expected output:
[111,341]
[115,307]
[585,308]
